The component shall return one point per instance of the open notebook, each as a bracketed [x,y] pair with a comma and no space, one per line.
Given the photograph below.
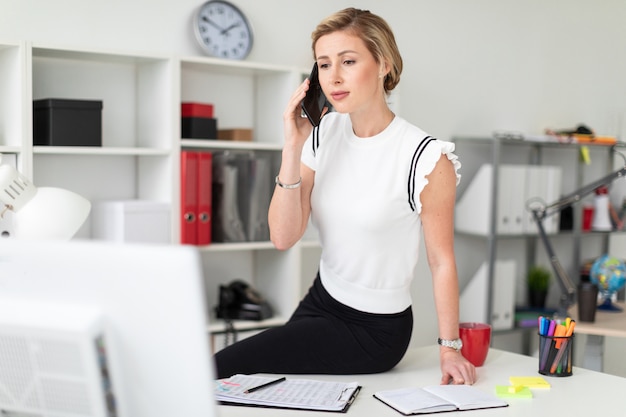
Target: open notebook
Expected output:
[438,398]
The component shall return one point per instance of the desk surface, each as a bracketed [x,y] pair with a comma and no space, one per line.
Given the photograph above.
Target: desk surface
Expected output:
[420,367]
[606,323]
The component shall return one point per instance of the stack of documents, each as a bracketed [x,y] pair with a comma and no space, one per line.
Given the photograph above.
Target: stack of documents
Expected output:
[303,394]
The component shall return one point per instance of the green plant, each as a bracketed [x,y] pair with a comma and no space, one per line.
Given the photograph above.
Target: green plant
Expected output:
[538,278]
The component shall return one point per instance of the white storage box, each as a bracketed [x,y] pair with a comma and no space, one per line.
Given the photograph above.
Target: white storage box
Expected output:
[131,221]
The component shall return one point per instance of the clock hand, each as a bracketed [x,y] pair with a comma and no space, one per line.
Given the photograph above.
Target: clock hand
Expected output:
[229,28]
[212,23]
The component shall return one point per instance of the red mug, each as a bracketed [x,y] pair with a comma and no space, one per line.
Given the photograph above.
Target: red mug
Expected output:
[476,339]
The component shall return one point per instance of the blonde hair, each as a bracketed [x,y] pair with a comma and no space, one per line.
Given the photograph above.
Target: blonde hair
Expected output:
[375,33]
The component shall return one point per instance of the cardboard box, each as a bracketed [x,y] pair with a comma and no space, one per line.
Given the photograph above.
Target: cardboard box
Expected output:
[244,135]
[63,122]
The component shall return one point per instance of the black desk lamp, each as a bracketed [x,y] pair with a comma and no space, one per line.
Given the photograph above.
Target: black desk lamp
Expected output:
[540,212]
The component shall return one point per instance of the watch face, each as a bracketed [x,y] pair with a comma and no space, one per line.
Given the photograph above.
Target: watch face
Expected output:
[223,30]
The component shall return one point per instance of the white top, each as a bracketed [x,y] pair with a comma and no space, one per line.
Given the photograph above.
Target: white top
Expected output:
[365,204]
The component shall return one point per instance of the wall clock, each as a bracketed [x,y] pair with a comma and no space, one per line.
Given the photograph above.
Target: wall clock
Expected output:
[223,30]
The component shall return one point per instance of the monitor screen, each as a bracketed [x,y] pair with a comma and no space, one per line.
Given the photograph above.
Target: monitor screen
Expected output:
[93,328]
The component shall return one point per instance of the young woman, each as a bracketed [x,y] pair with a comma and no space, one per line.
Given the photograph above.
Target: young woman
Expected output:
[372,184]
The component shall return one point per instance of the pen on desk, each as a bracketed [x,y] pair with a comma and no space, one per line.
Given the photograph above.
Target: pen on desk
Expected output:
[267,384]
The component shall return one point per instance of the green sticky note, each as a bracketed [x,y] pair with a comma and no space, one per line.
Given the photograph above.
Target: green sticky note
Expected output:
[513,391]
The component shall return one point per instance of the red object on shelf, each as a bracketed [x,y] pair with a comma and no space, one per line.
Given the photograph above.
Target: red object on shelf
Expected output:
[587,218]
[196,197]
[190,109]
[205,177]
[189,197]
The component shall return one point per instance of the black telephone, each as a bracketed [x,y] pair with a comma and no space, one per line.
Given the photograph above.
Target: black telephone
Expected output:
[239,301]
[314,101]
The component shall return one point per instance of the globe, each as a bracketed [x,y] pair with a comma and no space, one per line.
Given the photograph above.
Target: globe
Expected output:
[609,274]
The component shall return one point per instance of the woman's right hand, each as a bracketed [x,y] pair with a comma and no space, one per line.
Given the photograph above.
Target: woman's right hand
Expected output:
[296,128]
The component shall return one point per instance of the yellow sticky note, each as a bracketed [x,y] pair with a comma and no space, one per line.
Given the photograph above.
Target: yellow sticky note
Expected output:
[530,381]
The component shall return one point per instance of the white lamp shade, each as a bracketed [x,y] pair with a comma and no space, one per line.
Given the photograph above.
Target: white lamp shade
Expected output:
[52,214]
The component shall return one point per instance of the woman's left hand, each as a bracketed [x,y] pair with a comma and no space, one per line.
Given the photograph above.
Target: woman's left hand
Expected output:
[456,369]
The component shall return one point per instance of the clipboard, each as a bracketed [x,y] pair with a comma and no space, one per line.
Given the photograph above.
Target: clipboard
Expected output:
[294,394]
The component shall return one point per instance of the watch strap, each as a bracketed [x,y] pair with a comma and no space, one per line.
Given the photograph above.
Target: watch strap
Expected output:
[455,344]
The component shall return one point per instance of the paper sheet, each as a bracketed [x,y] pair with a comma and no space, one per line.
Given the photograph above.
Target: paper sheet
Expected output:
[292,393]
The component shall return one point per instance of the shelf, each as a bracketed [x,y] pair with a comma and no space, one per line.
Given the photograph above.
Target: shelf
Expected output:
[92,150]
[217,326]
[246,246]
[231,67]
[564,234]
[243,94]
[238,246]
[521,142]
[229,145]
[136,92]
[10,149]
[40,50]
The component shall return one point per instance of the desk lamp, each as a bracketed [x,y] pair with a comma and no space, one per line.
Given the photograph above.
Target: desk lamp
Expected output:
[541,211]
[43,213]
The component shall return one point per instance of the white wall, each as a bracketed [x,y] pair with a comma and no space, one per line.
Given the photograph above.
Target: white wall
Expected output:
[471,67]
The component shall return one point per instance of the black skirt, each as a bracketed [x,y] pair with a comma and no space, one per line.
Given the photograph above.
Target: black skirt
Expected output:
[323,336]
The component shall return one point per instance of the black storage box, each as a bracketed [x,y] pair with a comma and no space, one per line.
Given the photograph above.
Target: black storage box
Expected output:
[63,122]
[199,128]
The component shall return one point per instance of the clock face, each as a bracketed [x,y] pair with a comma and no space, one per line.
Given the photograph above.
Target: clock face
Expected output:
[223,30]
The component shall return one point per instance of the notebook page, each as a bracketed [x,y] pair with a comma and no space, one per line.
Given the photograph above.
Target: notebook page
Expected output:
[414,400]
[466,397]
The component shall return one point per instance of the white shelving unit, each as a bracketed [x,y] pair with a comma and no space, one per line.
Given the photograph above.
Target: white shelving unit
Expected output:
[141,142]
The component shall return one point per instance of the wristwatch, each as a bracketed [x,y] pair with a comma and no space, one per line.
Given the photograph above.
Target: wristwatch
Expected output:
[455,344]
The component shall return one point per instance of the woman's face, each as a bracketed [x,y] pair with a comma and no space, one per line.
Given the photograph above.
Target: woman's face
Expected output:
[349,75]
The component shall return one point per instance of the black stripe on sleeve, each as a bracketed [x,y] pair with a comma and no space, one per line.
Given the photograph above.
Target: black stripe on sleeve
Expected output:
[315,141]
[411,177]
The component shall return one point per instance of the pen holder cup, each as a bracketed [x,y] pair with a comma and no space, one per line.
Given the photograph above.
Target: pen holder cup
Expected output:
[555,355]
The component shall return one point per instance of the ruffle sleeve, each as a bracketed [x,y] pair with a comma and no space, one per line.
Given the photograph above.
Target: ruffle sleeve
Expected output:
[428,158]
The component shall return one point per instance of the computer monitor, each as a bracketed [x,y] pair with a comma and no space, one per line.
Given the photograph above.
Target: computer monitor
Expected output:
[98,329]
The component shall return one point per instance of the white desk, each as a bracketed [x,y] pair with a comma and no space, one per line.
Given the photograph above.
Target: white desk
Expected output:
[586,392]
[606,324]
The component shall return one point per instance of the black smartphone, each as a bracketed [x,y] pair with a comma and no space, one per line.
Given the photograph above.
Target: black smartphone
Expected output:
[315,100]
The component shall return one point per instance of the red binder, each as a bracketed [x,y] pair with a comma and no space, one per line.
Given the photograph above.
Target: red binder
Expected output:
[205,170]
[189,165]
